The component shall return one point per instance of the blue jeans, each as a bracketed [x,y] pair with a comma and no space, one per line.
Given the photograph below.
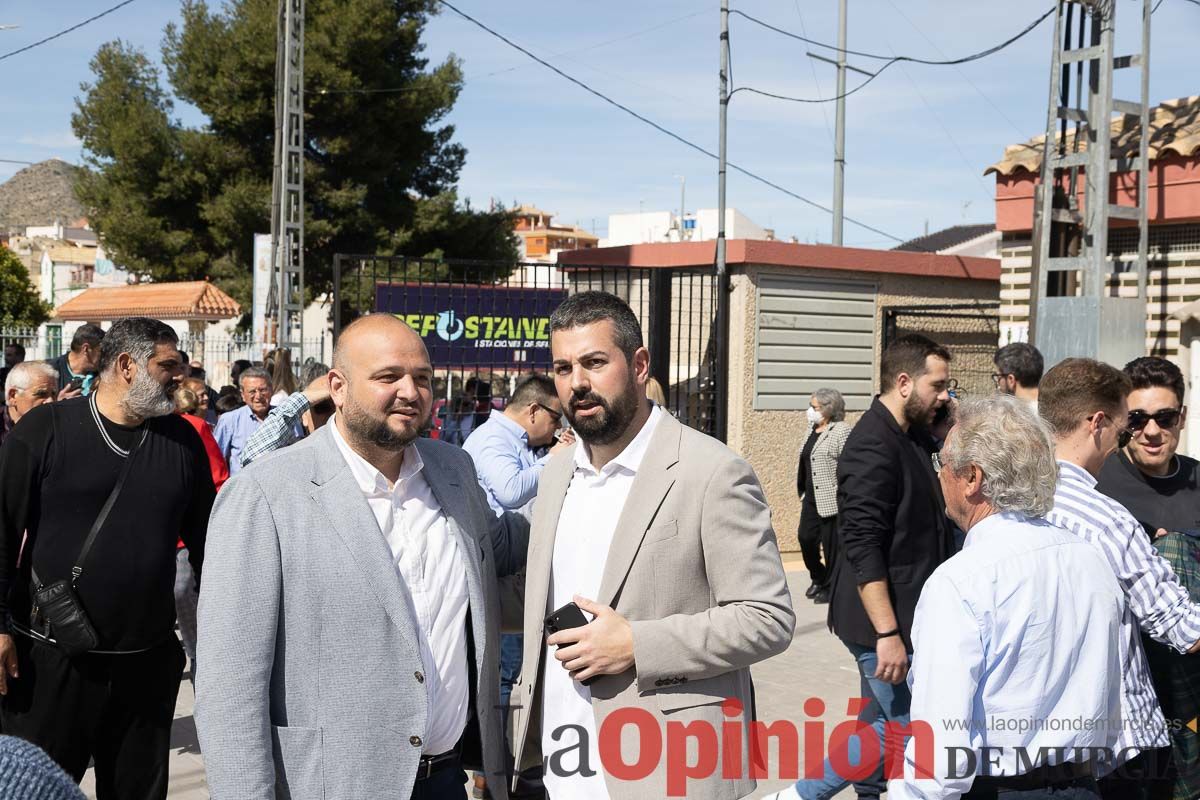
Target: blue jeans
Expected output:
[887,702]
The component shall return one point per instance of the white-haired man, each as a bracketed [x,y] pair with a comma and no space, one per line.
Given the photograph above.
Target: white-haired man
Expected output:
[26,385]
[1016,649]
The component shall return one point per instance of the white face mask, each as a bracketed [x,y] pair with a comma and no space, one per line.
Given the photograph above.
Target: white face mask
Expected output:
[814,416]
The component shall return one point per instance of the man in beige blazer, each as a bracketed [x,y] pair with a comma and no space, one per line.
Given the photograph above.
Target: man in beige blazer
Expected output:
[663,536]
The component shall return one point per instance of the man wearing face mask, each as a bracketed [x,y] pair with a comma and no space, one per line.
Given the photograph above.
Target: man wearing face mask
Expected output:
[893,533]
[103,486]
[1084,403]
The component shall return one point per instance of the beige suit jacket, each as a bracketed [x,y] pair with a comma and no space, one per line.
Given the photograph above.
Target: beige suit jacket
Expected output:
[695,567]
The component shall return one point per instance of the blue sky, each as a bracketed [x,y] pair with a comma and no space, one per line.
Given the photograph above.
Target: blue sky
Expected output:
[918,138]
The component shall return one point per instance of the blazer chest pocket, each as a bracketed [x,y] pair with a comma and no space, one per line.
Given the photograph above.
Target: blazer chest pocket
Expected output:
[299,768]
[661,533]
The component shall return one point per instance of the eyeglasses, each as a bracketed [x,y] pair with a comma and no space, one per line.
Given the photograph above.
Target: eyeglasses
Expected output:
[1166,418]
[997,377]
[1124,435]
[555,415]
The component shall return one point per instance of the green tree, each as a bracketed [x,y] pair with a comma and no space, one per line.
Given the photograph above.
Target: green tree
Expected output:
[177,203]
[20,305]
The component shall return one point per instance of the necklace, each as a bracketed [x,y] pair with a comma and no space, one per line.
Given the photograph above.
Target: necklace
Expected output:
[103,431]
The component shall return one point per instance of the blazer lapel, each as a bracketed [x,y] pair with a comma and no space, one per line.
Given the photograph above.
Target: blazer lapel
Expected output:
[654,479]
[338,495]
[552,491]
[448,491]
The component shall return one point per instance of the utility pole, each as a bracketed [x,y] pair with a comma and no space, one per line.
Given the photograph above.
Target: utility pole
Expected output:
[682,198]
[839,145]
[286,302]
[722,360]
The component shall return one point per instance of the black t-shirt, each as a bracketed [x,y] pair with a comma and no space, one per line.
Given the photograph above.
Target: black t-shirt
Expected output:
[56,472]
[1172,503]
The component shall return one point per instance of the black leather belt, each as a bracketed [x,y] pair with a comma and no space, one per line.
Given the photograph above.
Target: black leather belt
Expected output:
[1043,777]
[432,765]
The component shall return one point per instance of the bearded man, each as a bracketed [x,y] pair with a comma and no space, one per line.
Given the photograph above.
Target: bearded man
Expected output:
[348,630]
[96,492]
[663,537]
[893,532]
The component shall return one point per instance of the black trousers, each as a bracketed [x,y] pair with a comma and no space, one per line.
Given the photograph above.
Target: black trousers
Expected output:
[115,710]
[817,534]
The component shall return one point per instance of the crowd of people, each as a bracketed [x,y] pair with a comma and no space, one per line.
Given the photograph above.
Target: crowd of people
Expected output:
[369,612]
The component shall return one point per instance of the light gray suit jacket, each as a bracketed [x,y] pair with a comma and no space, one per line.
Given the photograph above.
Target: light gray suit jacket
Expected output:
[308,685]
[695,567]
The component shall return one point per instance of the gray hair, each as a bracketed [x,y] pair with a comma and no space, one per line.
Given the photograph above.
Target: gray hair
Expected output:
[311,371]
[136,336]
[833,406]
[21,375]
[253,372]
[1013,449]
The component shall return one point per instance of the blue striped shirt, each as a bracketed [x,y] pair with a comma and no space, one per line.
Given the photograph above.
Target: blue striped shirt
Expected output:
[1155,599]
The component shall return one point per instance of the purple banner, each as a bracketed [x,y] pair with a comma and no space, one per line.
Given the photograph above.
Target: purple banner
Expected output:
[472,326]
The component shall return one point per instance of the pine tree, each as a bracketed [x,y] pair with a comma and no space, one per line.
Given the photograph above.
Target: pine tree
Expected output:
[174,202]
[20,305]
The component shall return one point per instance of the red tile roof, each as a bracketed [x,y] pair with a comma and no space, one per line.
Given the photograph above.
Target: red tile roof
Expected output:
[785,254]
[198,300]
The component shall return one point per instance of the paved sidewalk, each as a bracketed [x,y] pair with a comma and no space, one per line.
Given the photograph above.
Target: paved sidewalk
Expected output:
[816,665]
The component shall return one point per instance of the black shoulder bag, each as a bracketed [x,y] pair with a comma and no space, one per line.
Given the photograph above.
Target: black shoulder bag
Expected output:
[56,607]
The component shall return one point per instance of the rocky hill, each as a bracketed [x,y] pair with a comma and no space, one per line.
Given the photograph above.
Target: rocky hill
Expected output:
[39,195]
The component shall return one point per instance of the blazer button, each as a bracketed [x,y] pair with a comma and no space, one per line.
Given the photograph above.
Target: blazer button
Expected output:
[415,741]
[420,677]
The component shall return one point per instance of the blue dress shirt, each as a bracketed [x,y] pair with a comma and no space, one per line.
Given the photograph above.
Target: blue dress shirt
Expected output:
[508,470]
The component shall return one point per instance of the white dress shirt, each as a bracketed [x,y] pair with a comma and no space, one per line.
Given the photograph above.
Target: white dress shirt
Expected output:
[586,525]
[430,569]
[1015,645]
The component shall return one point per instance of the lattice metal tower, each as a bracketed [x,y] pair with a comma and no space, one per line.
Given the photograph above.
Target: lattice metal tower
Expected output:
[285,305]
[1074,309]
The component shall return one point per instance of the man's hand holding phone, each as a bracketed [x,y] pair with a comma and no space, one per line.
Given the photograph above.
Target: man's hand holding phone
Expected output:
[603,646]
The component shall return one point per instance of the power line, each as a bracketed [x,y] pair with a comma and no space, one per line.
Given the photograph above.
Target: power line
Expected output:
[655,125]
[14,161]
[813,68]
[930,62]
[889,60]
[563,54]
[65,32]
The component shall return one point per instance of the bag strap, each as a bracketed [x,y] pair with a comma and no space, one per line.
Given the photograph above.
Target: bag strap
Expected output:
[77,570]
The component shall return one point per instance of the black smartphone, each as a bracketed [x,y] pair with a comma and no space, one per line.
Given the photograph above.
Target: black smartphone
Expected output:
[76,383]
[565,618]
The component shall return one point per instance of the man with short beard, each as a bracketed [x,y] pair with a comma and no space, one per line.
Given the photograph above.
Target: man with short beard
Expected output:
[661,535]
[893,534]
[349,617]
[59,470]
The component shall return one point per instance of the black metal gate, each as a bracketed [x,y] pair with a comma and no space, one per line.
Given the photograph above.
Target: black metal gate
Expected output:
[486,323]
[970,331]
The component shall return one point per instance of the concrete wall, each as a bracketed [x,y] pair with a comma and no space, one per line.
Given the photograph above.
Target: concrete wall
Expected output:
[771,440]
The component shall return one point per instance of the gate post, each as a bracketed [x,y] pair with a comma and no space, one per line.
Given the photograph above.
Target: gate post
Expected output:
[337,296]
[660,327]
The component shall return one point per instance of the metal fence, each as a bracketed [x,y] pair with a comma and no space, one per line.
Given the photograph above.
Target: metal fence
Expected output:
[970,331]
[487,323]
[216,353]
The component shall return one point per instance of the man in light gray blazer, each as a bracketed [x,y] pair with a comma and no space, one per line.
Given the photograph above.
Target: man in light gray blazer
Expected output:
[664,537]
[349,614]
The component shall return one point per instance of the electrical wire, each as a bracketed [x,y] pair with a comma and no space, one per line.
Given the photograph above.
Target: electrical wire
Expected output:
[928,61]
[889,60]
[660,128]
[14,161]
[65,32]
[813,68]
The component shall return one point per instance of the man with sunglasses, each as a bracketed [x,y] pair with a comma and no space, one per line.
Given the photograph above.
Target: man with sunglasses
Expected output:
[1161,489]
[1085,404]
[509,451]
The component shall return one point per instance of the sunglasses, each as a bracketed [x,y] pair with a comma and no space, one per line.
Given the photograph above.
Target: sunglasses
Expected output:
[1166,418]
[555,415]
[1124,435]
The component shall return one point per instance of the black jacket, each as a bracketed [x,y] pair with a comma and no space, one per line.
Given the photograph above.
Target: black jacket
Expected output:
[891,522]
